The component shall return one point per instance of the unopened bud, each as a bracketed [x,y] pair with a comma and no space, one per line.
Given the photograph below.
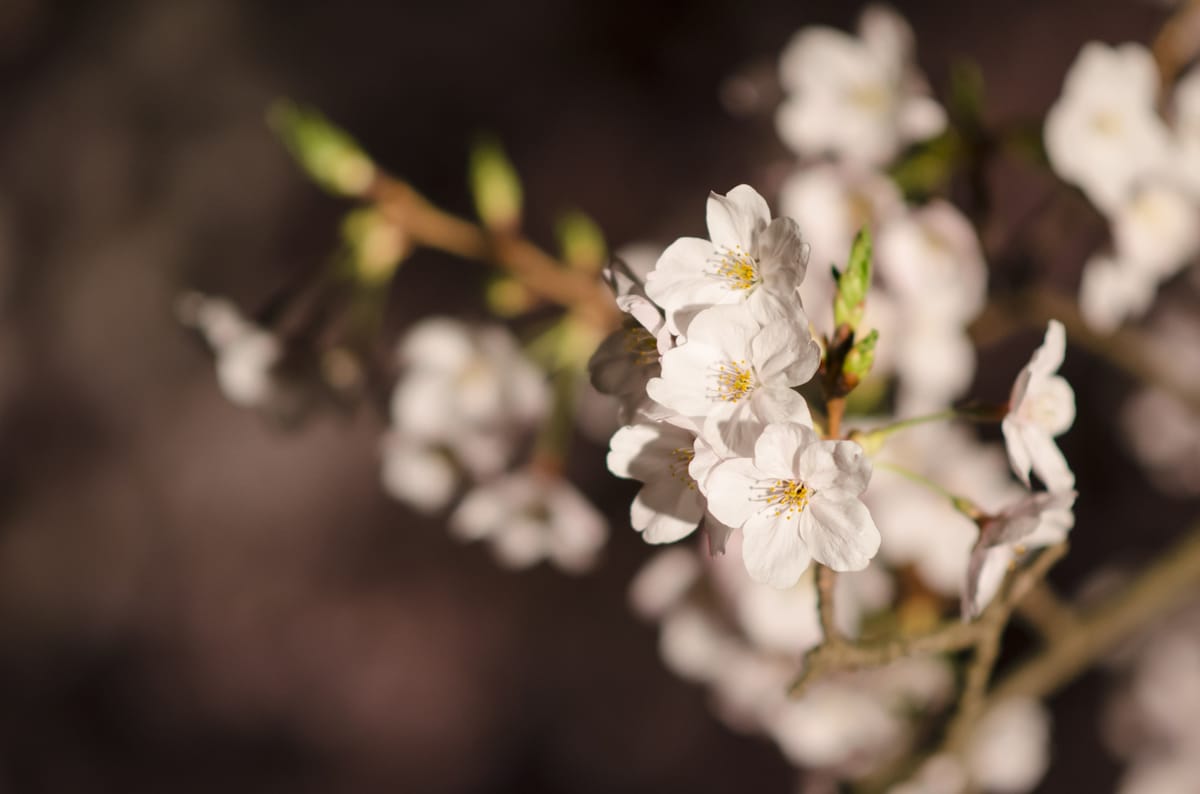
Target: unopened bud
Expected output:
[581,242]
[495,186]
[508,297]
[376,245]
[853,282]
[326,153]
[861,357]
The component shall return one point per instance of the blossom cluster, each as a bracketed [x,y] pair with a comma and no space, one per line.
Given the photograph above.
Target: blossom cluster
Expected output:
[1105,134]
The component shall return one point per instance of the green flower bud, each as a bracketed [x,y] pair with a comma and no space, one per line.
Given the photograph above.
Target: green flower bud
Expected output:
[326,153]
[861,357]
[581,242]
[495,186]
[853,282]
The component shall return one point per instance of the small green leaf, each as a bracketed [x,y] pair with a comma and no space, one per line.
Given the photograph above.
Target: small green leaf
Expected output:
[495,186]
[861,357]
[327,154]
[853,282]
[581,242]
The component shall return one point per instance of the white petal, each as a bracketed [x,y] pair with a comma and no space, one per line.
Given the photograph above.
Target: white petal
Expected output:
[666,511]
[735,218]
[730,490]
[840,534]
[772,549]
[1048,461]
[777,448]
[1018,454]
[835,465]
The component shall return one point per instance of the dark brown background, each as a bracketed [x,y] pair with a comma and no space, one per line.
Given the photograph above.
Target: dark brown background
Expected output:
[191,600]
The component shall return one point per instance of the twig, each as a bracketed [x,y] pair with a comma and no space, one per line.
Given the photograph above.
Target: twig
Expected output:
[422,223]
[826,581]
[1046,612]
[1159,588]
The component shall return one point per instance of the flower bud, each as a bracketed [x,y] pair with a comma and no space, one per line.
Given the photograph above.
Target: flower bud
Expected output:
[861,357]
[495,186]
[376,246]
[581,242]
[853,282]
[326,153]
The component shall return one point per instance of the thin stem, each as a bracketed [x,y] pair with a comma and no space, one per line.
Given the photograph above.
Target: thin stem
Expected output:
[826,582]
[960,503]
[1046,612]
[835,408]
[425,224]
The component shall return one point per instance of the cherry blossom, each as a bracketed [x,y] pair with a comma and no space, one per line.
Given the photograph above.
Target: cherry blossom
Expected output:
[1042,406]
[860,99]
[796,500]
[1104,133]
[750,260]
[731,376]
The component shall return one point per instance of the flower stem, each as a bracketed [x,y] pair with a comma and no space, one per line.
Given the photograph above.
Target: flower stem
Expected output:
[960,503]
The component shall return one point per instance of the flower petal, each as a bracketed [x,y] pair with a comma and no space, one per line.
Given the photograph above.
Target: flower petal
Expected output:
[729,489]
[840,534]
[735,218]
[772,550]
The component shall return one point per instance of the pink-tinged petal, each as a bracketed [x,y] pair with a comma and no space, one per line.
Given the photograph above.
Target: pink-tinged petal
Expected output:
[840,534]
[772,549]
[731,489]
[732,428]
[777,449]
[776,404]
[729,329]
[782,255]
[1048,461]
[1049,357]
[666,510]
[1018,454]
[835,465]
[785,352]
[735,218]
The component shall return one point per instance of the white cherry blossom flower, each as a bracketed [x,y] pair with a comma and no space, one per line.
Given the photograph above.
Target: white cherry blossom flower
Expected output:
[528,517]
[1042,406]
[750,260]
[1104,133]
[796,500]
[1112,291]
[670,505]
[623,364]
[732,376]
[1038,519]
[860,99]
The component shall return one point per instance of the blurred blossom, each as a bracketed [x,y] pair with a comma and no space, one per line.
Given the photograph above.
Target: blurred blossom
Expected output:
[248,356]
[921,527]
[1009,751]
[467,391]
[1186,104]
[860,99]
[831,203]
[529,516]
[1104,133]
[1164,434]
[419,475]
[1151,719]
[1157,230]
[1112,291]
[663,581]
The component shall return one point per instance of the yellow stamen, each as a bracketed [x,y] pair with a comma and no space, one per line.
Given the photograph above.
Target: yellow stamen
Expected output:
[790,497]
[736,267]
[735,380]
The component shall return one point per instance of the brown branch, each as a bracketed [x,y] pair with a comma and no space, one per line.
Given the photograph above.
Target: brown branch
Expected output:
[422,223]
[1159,588]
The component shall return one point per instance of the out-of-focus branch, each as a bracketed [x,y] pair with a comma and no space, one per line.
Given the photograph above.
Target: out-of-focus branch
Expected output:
[1125,349]
[1158,589]
[423,223]
[843,655]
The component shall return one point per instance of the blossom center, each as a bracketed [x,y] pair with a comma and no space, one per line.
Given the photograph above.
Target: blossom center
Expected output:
[681,458]
[735,380]
[789,497]
[736,267]
[641,346]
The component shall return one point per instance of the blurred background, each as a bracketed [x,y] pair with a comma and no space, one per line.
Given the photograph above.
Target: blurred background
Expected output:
[192,599]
